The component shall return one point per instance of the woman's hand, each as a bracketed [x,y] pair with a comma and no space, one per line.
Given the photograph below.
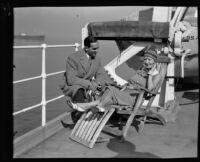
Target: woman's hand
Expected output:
[153,71]
[129,86]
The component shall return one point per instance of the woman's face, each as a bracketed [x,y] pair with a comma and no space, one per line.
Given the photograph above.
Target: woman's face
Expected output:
[148,62]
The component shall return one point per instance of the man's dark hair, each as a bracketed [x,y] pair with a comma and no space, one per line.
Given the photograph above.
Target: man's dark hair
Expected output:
[88,40]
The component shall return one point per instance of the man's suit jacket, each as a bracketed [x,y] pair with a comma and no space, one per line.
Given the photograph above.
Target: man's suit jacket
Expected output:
[79,71]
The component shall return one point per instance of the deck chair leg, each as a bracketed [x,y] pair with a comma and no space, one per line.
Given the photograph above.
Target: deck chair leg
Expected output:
[100,139]
[142,123]
[120,123]
[130,119]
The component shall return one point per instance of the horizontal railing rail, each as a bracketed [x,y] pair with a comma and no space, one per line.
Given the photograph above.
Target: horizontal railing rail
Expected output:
[37,77]
[43,76]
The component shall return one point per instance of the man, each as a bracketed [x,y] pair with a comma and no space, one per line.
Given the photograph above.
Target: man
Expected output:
[84,72]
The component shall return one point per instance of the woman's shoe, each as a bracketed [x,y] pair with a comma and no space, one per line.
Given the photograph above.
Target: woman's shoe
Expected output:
[101,109]
[75,106]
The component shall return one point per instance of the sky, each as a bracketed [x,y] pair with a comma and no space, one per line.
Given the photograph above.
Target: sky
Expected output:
[63,24]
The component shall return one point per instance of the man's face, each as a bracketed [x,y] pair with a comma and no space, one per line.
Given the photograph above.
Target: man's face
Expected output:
[93,49]
[149,62]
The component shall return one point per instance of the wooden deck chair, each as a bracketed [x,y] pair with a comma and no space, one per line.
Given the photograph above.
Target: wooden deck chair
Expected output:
[90,125]
[146,94]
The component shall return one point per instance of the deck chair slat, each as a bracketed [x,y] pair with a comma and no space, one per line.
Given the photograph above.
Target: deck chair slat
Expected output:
[78,124]
[86,138]
[96,126]
[90,121]
[86,122]
[82,123]
[100,127]
[80,128]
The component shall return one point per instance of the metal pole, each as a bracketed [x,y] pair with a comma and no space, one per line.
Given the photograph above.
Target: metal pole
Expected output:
[76,46]
[169,94]
[43,85]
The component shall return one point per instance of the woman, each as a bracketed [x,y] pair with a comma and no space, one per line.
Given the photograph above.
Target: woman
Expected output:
[147,77]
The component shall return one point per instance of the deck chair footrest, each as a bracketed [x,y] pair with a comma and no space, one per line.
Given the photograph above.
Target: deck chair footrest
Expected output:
[89,126]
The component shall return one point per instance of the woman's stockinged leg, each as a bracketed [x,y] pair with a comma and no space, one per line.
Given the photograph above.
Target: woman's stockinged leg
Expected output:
[106,98]
[88,104]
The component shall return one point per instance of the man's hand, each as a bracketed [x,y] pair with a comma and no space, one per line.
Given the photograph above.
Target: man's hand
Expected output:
[99,87]
[93,86]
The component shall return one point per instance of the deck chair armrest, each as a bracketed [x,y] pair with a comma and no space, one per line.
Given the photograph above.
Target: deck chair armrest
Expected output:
[114,85]
[147,90]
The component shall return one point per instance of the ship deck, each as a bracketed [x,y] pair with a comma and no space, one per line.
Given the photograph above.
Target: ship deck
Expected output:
[175,140]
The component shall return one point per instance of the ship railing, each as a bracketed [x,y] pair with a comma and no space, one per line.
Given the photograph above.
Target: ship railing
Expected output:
[43,75]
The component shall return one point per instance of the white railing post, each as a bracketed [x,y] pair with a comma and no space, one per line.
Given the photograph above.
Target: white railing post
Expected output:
[43,84]
[76,46]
